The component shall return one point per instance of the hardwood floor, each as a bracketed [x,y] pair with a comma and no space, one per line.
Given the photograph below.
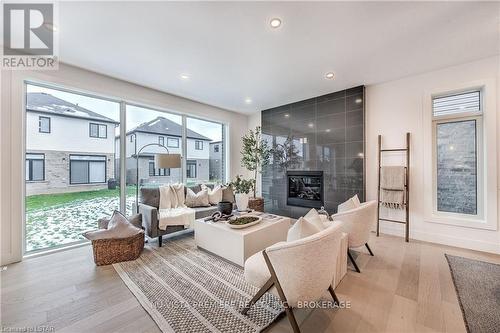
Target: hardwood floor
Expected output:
[406,287]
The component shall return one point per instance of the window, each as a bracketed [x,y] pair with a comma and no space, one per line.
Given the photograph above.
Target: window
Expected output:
[198,145]
[190,169]
[132,137]
[161,140]
[173,142]
[216,148]
[98,131]
[457,125]
[87,169]
[157,172]
[43,124]
[35,167]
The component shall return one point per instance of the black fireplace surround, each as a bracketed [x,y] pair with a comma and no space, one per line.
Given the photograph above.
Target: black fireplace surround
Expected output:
[305,188]
[322,134]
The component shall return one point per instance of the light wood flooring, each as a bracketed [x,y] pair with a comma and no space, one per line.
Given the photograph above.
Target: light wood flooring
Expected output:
[406,287]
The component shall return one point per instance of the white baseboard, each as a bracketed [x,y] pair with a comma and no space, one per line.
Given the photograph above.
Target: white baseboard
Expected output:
[465,243]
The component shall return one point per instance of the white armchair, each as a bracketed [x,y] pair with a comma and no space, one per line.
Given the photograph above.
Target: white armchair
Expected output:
[357,223]
[298,271]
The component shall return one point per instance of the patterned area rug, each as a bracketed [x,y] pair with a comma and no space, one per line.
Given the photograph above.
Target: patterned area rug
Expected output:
[477,284]
[185,289]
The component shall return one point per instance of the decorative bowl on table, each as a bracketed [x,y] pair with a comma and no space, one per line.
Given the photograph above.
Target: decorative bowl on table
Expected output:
[243,221]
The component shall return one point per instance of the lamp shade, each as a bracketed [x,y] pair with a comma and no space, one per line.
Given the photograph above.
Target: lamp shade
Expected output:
[165,161]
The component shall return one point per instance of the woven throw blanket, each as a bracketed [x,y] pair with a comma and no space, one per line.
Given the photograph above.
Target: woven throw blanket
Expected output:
[187,290]
[392,185]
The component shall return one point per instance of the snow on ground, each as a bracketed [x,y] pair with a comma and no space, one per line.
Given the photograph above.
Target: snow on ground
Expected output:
[59,225]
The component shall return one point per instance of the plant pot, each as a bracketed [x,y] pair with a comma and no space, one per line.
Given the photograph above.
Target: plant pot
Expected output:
[256,204]
[225,207]
[241,201]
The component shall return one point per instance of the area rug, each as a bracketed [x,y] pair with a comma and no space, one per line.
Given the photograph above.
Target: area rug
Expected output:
[477,284]
[186,289]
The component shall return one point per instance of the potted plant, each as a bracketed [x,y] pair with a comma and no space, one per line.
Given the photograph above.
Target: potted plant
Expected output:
[255,154]
[242,188]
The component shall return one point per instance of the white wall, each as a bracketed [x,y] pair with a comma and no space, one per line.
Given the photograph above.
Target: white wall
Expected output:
[12,134]
[67,134]
[397,107]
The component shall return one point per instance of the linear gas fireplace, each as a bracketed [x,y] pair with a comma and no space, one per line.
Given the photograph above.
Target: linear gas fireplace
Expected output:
[305,189]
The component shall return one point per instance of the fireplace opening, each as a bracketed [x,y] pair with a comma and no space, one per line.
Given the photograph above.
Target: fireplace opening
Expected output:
[305,188]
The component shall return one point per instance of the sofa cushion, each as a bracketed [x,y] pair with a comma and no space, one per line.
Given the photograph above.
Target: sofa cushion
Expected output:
[202,212]
[199,199]
[150,196]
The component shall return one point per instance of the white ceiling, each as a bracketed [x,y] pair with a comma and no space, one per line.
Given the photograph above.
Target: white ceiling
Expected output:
[231,53]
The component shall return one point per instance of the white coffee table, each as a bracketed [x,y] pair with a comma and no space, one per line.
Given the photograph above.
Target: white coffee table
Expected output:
[236,245]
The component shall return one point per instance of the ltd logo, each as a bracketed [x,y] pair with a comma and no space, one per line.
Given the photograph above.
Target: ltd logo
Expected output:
[28,29]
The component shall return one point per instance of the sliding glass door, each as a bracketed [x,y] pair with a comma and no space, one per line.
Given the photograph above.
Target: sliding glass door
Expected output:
[71,179]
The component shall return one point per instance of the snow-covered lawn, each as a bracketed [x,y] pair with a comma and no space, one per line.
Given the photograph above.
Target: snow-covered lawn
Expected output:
[63,224]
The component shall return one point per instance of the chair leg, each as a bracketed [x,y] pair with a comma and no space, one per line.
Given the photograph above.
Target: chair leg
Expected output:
[268,285]
[160,238]
[334,296]
[353,261]
[369,250]
[291,319]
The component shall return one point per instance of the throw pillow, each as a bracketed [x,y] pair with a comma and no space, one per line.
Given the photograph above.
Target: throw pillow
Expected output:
[313,217]
[118,227]
[347,205]
[356,200]
[199,199]
[177,192]
[214,195]
[301,229]
[227,193]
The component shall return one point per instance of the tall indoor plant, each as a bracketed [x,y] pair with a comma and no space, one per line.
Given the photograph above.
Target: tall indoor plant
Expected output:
[255,154]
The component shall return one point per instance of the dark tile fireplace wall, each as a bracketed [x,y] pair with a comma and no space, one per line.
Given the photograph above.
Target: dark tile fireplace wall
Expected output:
[324,133]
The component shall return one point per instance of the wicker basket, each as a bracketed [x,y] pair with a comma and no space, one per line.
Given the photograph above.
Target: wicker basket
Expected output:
[110,251]
[256,204]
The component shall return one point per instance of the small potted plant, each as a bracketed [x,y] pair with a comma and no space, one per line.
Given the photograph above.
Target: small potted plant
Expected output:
[254,155]
[242,188]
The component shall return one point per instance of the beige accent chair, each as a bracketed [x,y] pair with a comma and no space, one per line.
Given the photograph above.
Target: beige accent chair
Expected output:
[357,223]
[298,271]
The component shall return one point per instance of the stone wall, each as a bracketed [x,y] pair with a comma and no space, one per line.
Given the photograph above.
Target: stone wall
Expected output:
[57,174]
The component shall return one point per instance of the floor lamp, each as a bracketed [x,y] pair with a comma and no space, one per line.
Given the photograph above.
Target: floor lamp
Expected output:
[162,161]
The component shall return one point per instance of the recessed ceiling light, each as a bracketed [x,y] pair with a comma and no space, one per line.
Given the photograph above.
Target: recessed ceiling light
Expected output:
[184,76]
[248,100]
[329,75]
[275,23]
[358,100]
[287,115]
[327,130]
[311,125]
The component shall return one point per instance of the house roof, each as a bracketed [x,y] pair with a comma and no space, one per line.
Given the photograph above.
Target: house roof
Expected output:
[46,103]
[164,126]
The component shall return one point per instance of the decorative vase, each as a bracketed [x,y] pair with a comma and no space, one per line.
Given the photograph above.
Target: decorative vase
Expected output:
[225,207]
[256,204]
[241,201]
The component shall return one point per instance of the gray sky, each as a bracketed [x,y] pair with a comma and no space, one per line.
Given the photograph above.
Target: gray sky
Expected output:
[135,115]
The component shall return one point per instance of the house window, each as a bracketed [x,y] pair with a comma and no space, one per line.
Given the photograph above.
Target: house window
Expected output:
[131,138]
[161,140]
[157,172]
[191,169]
[43,124]
[216,148]
[198,145]
[35,167]
[458,153]
[173,142]
[87,169]
[98,131]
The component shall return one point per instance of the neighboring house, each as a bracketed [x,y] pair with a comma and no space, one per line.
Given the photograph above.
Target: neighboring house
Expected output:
[68,148]
[168,133]
[216,161]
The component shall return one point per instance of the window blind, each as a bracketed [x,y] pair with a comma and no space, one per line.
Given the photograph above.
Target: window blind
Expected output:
[457,103]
